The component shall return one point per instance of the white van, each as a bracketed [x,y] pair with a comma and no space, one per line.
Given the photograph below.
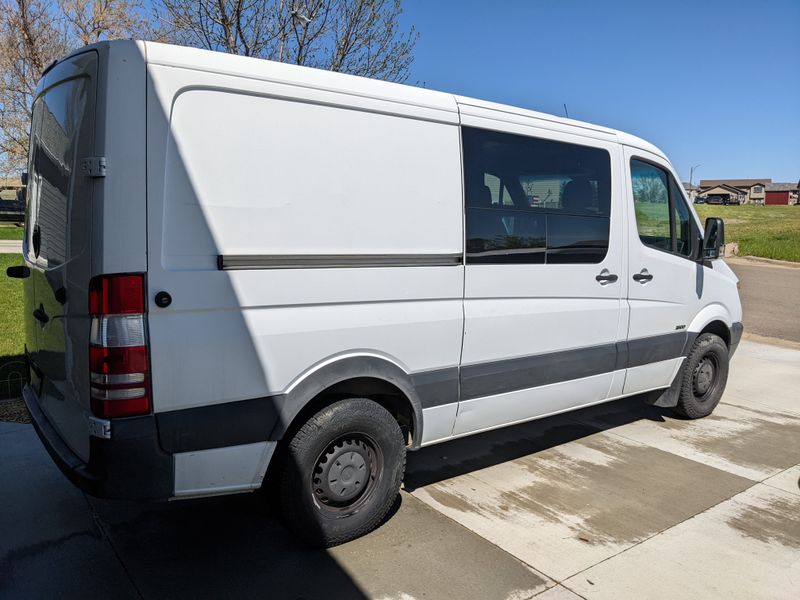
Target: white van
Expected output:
[234,264]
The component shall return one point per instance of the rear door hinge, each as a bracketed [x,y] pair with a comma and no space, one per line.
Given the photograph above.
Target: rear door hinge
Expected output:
[94,166]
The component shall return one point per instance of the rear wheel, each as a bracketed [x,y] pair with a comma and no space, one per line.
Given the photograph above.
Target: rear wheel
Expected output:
[342,471]
[704,377]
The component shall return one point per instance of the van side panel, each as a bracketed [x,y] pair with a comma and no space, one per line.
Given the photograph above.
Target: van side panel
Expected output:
[334,182]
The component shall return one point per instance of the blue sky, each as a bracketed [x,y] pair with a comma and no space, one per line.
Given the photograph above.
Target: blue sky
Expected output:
[715,83]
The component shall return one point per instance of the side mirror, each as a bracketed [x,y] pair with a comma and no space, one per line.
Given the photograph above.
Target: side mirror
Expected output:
[713,238]
[24,177]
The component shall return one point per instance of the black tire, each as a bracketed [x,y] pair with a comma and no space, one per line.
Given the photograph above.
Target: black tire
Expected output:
[326,499]
[705,374]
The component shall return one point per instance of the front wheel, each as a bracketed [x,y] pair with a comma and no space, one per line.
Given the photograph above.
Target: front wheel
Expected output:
[705,374]
[342,471]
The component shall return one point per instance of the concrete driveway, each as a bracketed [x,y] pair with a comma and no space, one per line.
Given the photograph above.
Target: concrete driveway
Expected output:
[618,501]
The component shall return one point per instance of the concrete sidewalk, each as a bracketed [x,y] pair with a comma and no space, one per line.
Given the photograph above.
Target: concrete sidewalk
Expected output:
[10,247]
[617,501]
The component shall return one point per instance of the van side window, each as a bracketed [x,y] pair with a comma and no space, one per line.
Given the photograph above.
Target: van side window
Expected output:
[683,221]
[651,201]
[662,215]
[534,201]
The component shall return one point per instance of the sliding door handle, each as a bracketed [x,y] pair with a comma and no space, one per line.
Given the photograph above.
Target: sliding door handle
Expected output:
[606,277]
[643,277]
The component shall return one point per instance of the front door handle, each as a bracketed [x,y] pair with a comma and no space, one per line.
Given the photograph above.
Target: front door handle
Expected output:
[606,277]
[643,277]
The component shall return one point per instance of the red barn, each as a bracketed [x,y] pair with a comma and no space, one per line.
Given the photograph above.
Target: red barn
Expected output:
[781,193]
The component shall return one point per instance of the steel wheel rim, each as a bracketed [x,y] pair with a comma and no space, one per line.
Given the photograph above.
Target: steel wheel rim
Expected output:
[346,474]
[705,377]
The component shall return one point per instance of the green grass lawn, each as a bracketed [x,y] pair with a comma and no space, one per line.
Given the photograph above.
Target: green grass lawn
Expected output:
[10,232]
[766,231]
[12,331]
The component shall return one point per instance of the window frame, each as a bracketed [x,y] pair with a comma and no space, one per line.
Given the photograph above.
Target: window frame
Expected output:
[695,236]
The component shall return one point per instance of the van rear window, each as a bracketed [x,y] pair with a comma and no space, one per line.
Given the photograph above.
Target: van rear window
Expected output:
[56,121]
[532,200]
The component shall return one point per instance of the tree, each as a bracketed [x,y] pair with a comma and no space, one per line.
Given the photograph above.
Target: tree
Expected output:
[361,37]
[90,21]
[34,33]
[30,39]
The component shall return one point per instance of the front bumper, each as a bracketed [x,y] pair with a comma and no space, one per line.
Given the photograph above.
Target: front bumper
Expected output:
[131,465]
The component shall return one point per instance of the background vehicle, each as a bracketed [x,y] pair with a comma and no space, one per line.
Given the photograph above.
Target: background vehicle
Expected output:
[233,264]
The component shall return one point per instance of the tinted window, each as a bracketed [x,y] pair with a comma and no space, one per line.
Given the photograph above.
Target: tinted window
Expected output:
[651,201]
[572,239]
[501,236]
[531,200]
[54,130]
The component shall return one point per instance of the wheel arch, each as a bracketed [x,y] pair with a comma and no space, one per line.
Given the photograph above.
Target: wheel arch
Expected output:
[714,318]
[367,376]
[720,329]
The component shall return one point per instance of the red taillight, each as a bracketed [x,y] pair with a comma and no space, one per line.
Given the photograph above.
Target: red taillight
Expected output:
[116,295]
[118,350]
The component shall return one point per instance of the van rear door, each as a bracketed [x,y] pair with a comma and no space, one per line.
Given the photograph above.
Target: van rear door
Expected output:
[57,245]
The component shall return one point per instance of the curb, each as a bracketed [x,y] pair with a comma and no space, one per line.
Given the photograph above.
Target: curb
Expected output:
[765,261]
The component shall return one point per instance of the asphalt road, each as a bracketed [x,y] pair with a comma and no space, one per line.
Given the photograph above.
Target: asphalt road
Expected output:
[770,298]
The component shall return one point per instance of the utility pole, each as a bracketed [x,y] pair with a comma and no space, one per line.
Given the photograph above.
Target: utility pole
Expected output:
[691,174]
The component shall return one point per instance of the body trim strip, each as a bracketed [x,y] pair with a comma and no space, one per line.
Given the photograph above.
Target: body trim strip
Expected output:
[227,262]
[511,375]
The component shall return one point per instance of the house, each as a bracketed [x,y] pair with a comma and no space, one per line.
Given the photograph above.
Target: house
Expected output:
[733,191]
[782,193]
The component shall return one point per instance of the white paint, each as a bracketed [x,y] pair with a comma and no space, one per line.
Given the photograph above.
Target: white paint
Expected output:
[307,178]
[651,376]
[438,423]
[222,470]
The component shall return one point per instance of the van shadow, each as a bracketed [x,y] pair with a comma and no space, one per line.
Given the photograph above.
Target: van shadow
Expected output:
[472,453]
[223,547]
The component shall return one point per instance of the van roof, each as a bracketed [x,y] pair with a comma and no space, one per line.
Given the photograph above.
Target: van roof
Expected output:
[256,68]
